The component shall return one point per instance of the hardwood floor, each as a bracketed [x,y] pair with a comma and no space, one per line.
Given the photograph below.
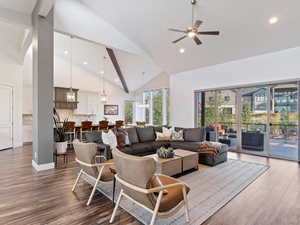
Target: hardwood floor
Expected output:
[28,197]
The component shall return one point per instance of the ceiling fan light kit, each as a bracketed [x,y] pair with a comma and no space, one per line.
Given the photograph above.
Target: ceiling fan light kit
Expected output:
[193,32]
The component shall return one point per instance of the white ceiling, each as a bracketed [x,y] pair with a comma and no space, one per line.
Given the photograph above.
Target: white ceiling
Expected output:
[23,6]
[131,65]
[138,32]
[244,27]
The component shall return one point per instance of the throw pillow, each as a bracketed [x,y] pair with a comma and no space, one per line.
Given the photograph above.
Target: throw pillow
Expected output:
[162,137]
[167,131]
[110,139]
[177,136]
[122,138]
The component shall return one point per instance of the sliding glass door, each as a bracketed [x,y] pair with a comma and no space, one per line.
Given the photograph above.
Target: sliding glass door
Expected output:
[260,120]
[284,121]
[254,119]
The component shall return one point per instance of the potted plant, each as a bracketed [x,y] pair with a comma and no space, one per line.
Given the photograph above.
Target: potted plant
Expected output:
[61,143]
[165,153]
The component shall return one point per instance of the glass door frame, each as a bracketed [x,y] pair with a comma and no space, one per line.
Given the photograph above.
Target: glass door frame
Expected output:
[237,89]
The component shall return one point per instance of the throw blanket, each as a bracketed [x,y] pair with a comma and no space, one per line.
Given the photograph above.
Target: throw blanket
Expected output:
[208,147]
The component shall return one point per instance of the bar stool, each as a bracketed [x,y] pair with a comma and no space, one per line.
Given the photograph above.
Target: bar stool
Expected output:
[119,123]
[140,124]
[70,131]
[103,125]
[86,126]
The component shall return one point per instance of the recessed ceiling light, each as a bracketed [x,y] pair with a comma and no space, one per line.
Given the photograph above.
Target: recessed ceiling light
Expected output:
[85,63]
[66,52]
[273,20]
[102,72]
[182,50]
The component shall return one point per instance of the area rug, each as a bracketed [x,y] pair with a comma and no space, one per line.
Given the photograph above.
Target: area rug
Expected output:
[211,189]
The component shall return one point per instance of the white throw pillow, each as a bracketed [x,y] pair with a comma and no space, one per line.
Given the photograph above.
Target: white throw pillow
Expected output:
[177,136]
[167,131]
[162,137]
[110,139]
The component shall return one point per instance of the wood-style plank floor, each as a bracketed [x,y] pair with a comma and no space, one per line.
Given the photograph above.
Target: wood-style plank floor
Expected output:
[28,197]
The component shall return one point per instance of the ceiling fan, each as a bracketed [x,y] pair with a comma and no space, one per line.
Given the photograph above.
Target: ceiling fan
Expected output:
[193,32]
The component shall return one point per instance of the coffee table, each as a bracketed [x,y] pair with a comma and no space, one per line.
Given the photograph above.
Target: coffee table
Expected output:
[181,162]
[189,159]
[170,167]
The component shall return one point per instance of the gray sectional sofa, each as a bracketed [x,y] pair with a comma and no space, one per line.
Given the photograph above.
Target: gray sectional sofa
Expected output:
[143,142]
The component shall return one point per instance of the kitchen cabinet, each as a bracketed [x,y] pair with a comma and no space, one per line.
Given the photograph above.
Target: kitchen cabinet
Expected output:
[88,103]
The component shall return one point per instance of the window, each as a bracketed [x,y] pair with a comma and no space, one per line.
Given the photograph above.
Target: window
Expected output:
[227,98]
[129,112]
[158,110]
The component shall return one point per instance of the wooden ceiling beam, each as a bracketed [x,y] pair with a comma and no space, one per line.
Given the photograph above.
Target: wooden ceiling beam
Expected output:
[114,61]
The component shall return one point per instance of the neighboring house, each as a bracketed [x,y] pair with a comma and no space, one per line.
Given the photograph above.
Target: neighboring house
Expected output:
[284,99]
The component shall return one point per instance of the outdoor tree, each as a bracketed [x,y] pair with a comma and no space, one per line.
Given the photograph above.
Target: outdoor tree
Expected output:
[128,111]
[246,113]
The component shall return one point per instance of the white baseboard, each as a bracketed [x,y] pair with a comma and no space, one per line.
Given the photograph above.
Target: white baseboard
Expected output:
[41,167]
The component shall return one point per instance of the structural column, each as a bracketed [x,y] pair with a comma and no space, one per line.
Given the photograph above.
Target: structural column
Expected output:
[42,157]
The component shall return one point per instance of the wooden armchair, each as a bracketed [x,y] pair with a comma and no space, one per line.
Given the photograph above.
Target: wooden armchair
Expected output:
[86,157]
[161,195]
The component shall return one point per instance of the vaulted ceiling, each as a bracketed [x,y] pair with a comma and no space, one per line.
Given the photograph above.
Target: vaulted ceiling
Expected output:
[244,27]
[138,31]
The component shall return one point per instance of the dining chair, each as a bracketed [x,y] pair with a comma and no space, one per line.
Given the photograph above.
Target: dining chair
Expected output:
[103,125]
[161,195]
[119,124]
[70,131]
[99,172]
[86,126]
[141,124]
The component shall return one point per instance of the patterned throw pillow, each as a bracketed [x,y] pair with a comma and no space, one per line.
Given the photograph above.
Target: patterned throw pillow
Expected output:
[167,131]
[177,136]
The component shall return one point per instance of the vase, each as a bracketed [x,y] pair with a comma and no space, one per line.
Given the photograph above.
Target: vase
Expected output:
[61,147]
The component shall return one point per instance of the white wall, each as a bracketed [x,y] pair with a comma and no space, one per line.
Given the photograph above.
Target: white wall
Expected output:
[283,65]
[160,81]
[11,75]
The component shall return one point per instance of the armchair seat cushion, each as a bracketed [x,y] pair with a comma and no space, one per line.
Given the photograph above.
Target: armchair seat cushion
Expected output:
[172,197]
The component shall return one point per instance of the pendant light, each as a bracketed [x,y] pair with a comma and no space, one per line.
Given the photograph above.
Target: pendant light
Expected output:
[103,95]
[143,105]
[71,96]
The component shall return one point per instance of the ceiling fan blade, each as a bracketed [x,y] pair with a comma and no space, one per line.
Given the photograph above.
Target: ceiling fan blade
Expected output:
[209,32]
[197,24]
[197,40]
[179,39]
[177,30]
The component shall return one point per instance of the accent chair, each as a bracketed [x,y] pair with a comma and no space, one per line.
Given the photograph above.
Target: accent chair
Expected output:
[94,166]
[161,195]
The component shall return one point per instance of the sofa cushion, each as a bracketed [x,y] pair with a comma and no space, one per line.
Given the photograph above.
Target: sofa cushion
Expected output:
[157,144]
[127,150]
[192,146]
[146,134]
[132,134]
[143,148]
[194,134]
[94,137]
